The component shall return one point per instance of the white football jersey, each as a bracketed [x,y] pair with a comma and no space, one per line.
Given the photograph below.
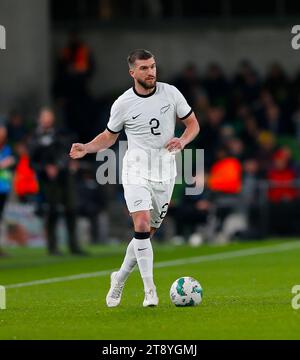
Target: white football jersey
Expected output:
[149,123]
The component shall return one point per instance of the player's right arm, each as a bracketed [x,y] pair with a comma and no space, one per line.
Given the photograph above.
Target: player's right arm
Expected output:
[104,140]
[101,142]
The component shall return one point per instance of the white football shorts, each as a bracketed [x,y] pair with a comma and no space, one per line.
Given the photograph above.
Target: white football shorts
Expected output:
[142,194]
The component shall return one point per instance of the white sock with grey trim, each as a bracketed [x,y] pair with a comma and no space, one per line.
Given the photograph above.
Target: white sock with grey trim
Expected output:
[144,256]
[128,264]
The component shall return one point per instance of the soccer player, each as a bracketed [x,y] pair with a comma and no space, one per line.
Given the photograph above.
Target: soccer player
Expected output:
[147,112]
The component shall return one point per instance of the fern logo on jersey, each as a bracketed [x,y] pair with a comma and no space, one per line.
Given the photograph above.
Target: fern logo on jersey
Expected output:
[164,109]
[2,38]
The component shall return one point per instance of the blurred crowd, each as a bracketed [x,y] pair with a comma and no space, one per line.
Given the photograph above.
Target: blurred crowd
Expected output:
[35,167]
[250,132]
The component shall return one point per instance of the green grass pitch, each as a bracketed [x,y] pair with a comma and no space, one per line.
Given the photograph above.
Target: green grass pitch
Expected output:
[247,296]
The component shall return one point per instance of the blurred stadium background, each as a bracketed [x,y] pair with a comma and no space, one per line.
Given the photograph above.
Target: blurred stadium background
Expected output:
[67,60]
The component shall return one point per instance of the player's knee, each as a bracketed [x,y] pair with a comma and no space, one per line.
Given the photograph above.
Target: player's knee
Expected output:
[142,224]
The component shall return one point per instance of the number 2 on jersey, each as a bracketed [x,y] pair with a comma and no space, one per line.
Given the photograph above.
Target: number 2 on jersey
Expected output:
[154,127]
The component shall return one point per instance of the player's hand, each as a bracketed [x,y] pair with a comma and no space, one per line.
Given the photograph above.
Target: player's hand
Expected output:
[175,145]
[78,151]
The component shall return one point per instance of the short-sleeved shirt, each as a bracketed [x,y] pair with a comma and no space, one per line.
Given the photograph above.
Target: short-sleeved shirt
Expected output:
[149,123]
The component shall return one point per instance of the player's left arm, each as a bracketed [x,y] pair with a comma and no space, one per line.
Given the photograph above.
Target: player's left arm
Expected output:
[191,131]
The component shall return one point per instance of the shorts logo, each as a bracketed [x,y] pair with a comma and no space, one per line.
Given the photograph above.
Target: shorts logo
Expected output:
[164,109]
[137,202]
[134,117]
[142,249]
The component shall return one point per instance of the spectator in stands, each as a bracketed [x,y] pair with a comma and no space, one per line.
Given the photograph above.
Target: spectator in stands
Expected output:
[265,99]
[74,69]
[226,174]
[282,177]
[92,202]
[188,82]
[242,111]
[283,194]
[16,128]
[235,148]
[250,195]
[227,132]
[75,66]
[277,83]
[209,137]
[216,85]
[273,120]
[266,147]
[25,181]
[249,134]
[225,183]
[49,156]
[7,160]
[246,85]
[295,118]
[295,87]
[192,212]
[250,179]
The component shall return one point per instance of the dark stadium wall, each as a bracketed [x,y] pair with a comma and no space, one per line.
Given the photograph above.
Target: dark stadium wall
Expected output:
[25,64]
[262,45]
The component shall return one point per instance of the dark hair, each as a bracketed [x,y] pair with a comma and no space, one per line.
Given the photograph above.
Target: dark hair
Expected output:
[138,54]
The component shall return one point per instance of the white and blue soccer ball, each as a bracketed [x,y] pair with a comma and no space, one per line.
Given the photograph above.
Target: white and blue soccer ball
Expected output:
[186,291]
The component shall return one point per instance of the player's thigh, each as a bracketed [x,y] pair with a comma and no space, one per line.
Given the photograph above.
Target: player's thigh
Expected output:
[137,197]
[161,196]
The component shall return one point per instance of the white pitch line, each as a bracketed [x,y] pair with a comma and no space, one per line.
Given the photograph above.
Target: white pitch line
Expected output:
[60,279]
[192,260]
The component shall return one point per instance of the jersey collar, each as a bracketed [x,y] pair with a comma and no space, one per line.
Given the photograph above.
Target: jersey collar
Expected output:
[144,96]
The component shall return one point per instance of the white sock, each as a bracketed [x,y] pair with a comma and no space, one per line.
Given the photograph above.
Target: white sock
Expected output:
[144,256]
[129,263]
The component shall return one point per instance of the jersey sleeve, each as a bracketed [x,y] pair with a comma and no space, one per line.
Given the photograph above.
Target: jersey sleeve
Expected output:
[183,109]
[116,120]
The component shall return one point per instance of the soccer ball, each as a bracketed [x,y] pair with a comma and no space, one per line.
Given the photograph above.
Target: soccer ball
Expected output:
[186,291]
